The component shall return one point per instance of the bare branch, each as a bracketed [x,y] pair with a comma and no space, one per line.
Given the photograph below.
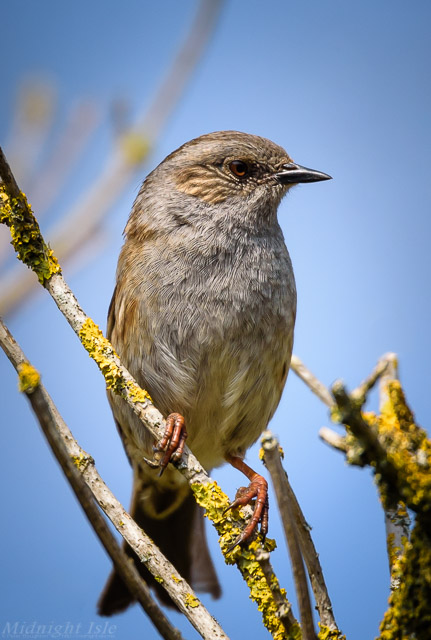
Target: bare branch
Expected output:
[311,381]
[278,477]
[311,558]
[81,122]
[332,438]
[175,81]
[87,484]
[386,362]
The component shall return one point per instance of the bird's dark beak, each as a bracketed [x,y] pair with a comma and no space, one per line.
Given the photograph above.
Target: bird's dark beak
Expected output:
[292,173]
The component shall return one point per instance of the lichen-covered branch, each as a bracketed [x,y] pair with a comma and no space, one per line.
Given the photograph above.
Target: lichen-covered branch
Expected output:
[408,616]
[399,452]
[214,501]
[409,451]
[284,611]
[397,520]
[88,485]
[121,382]
[27,240]
[394,446]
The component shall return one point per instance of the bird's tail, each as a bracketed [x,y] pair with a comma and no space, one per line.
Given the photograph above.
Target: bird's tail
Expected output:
[177,527]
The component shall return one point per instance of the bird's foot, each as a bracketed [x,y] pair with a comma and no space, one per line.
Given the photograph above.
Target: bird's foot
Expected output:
[257,489]
[171,447]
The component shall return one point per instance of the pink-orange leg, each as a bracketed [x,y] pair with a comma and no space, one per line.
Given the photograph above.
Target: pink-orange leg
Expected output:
[258,488]
[173,440]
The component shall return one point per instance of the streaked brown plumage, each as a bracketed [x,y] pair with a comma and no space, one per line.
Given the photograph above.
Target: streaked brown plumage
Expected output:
[203,315]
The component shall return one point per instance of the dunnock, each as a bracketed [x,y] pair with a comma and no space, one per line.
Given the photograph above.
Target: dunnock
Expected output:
[202,315]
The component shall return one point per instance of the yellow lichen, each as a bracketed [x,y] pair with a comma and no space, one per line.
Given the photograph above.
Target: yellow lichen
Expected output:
[82,461]
[191,601]
[136,393]
[393,551]
[409,612]
[27,240]
[158,579]
[402,463]
[214,501]
[408,451]
[325,633]
[100,349]
[28,377]
[175,579]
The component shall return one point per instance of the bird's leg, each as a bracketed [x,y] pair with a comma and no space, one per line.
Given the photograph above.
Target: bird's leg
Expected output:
[258,488]
[172,442]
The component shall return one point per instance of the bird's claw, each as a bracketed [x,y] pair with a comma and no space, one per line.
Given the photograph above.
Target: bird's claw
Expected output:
[171,446]
[258,488]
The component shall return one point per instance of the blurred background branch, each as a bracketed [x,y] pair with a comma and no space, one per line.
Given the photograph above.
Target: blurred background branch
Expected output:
[81,228]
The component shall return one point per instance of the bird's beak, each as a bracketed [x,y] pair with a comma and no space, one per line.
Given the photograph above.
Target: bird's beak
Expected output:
[292,173]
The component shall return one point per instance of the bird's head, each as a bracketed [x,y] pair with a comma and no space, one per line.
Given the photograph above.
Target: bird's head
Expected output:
[226,173]
[228,165]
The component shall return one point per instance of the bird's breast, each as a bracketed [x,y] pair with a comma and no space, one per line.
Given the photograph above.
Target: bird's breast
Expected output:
[212,334]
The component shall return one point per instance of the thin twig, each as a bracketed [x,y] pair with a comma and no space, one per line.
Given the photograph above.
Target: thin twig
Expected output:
[333,438]
[278,477]
[79,469]
[311,381]
[311,558]
[387,361]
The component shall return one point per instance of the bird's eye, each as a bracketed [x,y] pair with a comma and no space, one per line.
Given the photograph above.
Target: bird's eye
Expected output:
[239,168]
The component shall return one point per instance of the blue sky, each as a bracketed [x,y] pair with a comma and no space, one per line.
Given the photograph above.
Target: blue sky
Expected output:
[345,88]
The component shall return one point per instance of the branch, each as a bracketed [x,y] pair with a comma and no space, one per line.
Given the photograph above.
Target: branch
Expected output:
[284,610]
[87,484]
[397,521]
[397,449]
[278,477]
[33,251]
[311,557]
[399,453]
[387,363]
[311,381]
[349,413]
[334,440]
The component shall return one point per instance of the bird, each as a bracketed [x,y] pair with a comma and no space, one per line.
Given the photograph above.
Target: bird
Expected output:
[203,316]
